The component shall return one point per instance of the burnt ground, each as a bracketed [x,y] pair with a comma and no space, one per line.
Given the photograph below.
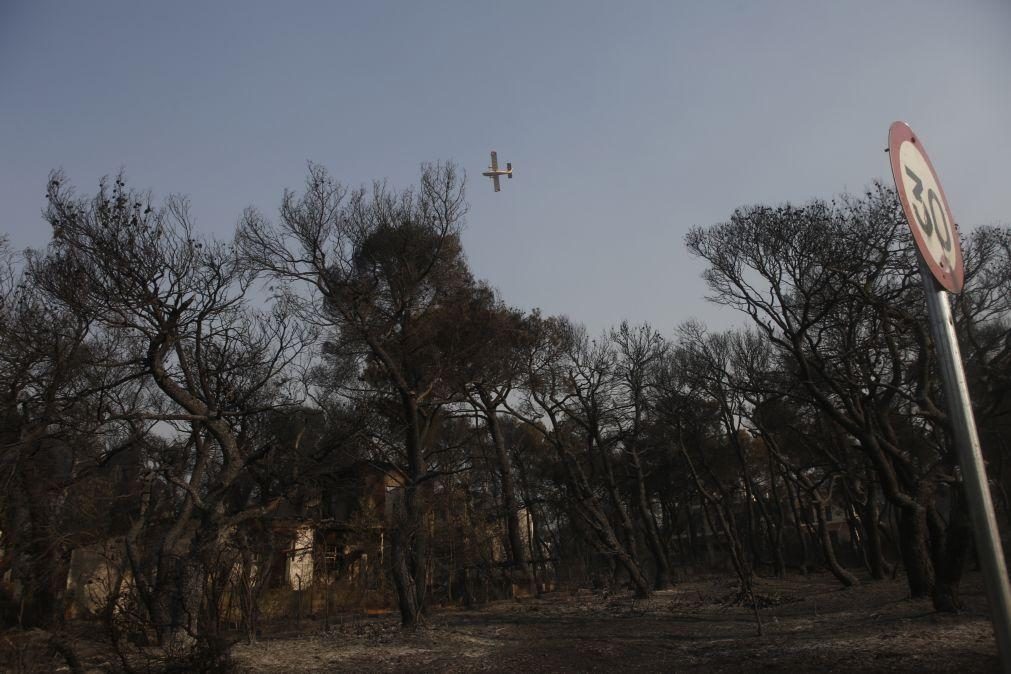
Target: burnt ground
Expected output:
[810,624]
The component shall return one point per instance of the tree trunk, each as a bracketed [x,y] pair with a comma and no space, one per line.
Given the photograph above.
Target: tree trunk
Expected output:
[509,501]
[403,578]
[915,553]
[408,544]
[958,544]
[841,574]
[537,547]
[621,512]
[588,507]
[43,565]
[599,523]
[656,546]
[872,531]
[776,527]
[795,507]
[176,605]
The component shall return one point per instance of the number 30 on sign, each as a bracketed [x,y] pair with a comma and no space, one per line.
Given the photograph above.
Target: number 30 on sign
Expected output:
[926,207]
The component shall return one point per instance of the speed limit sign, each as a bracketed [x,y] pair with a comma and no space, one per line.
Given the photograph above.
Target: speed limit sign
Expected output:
[930,220]
[926,207]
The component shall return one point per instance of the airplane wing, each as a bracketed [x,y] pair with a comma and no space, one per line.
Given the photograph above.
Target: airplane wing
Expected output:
[495,179]
[494,160]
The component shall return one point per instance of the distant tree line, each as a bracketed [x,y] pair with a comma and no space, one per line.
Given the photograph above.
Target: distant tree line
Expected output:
[175,391]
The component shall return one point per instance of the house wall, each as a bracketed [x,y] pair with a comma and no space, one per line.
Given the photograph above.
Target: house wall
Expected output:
[300,561]
[94,574]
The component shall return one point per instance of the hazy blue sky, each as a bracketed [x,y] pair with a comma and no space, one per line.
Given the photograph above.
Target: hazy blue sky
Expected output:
[627,123]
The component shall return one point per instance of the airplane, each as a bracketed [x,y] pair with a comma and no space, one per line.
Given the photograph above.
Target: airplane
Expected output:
[494,171]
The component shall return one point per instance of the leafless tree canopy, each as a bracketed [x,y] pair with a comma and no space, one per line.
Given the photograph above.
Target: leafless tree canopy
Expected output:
[331,410]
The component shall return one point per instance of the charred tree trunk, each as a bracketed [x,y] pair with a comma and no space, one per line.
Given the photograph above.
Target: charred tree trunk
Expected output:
[43,574]
[538,550]
[828,550]
[509,501]
[178,596]
[872,531]
[915,551]
[588,507]
[401,566]
[620,511]
[599,524]
[39,558]
[958,544]
[721,505]
[648,521]
[777,526]
[408,549]
[796,507]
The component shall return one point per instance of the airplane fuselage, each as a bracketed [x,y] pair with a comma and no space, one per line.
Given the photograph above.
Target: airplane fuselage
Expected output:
[494,171]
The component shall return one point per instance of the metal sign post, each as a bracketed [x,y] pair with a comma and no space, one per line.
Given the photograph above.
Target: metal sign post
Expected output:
[942,270]
[970,460]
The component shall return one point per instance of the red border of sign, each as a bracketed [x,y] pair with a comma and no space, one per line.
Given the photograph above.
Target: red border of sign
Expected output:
[952,280]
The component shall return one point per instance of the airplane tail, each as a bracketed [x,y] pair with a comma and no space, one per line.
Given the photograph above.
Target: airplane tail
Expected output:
[509,167]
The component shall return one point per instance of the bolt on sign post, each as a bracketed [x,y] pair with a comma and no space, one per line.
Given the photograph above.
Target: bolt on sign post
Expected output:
[942,269]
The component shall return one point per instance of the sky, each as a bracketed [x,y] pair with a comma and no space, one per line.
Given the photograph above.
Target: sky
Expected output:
[627,123]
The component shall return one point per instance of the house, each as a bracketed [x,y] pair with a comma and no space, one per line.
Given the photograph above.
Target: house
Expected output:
[340,531]
[333,533]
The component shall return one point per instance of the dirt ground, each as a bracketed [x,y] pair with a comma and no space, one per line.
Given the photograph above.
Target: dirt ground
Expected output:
[810,624]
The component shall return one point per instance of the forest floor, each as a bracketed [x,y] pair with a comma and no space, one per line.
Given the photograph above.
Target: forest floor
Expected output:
[809,624]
